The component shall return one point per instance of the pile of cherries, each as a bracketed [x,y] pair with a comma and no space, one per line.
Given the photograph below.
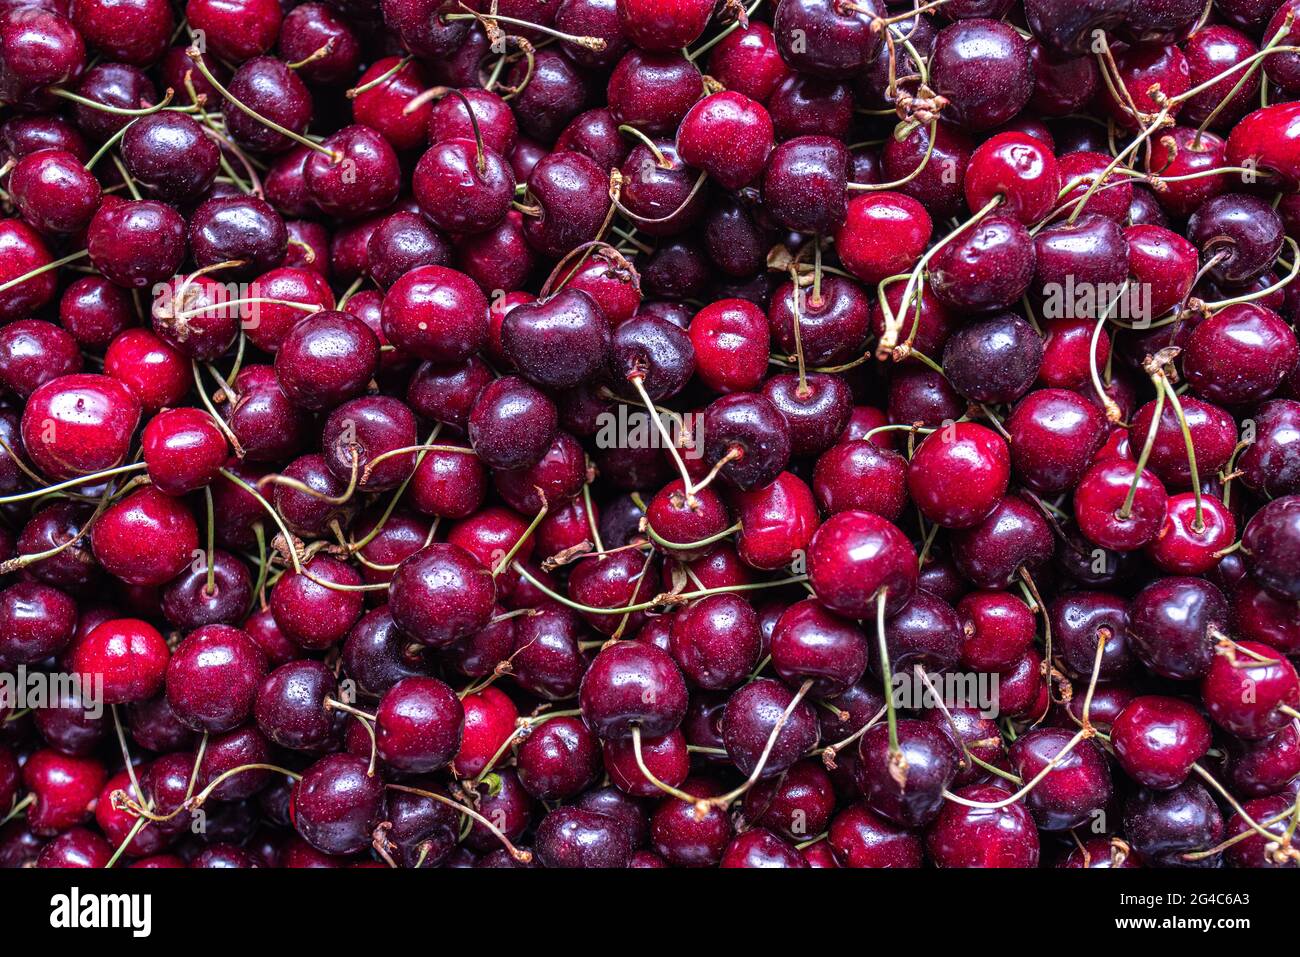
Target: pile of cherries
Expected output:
[651,433]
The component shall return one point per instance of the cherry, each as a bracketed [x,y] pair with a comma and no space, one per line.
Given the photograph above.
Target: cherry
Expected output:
[418,725]
[76,848]
[33,352]
[776,522]
[860,838]
[730,342]
[337,804]
[1189,541]
[883,234]
[1062,85]
[748,437]
[1240,354]
[1268,465]
[750,720]
[826,39]
[1075,789]
[808,642]
[907,789]
[1018,168]
[270,89]
[1082,619]
[170,156]
[489,721]
[188,602]
[858,476]
[184,450]
[39,48]
[559,341]
[146,538]
[632,685]
[986,266]
[996,627]
[309,28]
[1170,623]
[1263,766]
[1246,689]
[1271,544]
[1157,740]
[1162,826]
[463,188]
[243,228]
[310,610]
[136,244]
[1119,506]
[738,121]
[441,594]
[436,313]
[957,476]
[327,358]
[212,678]
[1054,436]
[983,69]
[1151,77]
[1244,232]
[94,311]
[1210,51]
[749,61]
[963,836]
[54,192]
[804,184]
[716,641]
[65,788]
[1013,538]
[24,251]
[853,557]
[1213,437]
[38,620]
[129,656]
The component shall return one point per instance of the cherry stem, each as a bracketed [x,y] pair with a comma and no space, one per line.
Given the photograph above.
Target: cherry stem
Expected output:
[197,56]
[615,191]
[31,274]
[392,71]
[509,556]
[18,808]
[686,546]
[831,750]
[898,183]
[894,323]
[92,478]
[319,53]
[1294,270]
[341,499]
[704,48]
[116,110]
[397,495]
[637,380]
[796,300]
[724,800]
[522,856]
[650,775]
[275,516]
[596,44]
[1127,508]
[1198,524]
[897,761]
[1028,579]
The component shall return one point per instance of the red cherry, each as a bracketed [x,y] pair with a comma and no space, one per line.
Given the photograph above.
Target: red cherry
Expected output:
[1158,739]
[728,136]
[146,538]
[1018,168]
[78,424]
[1184,547]
[128,655]
[1099,501]
[1246,688]
[155,373]
[959,474]
[883,235]
[853,557]
[184,450]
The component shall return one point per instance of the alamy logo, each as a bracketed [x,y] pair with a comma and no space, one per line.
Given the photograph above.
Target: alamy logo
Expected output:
[76,910]
[21,689]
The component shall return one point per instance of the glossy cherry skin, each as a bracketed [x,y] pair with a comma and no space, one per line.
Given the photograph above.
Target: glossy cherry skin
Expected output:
[777,522]
[1020,169]
[54,192]
[38,621]
[146,538]
[1169,626]
[632,684]
[130,655]
[489,720]
[1074,790]
[977,837]
[267,85]
[750,717]
[858,476]
[237,228]
[1271,464]
[76,848]
[1245,690]
[327,358]
[883,234]
[184,450]
[570,837]
[1264,766]
[312,614]
[1164,825]
[987,266]
[213,676]
[853,557]
[65,788]
[738,121]
[77,424]
[1083,619]
[730,342]
[24,252]
[808,642]
[512,424]
[982,67]
[1157,739]
[94,311]
[436,313]
[957,476]
[1271,544]
[559,341]
[136,243]
[336,805]
[1014,537]
[1189,542]
[170,156]
[1054,435]
[418,725]
[571,192]
[559,759]
[462,190]
[1099,501]
[1240,354]
[804,184]
[997,628]
[931,765]
[441,594]
[716,641]
[1213,436]
[364,178]
[33,352]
